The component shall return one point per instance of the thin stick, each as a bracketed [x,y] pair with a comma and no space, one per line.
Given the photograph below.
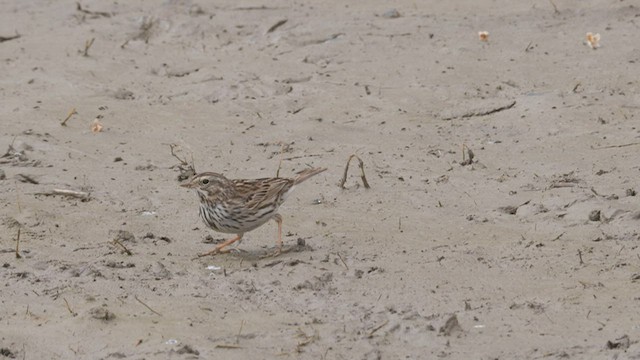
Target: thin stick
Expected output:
[361,166]
[228,346]
[18,256]
[117,242]
[69,307]
[615,146]
[71,193]
[343,263]
[580,257]
[147,306]
[71,113]
[239,332]
[377,328]
[87,45]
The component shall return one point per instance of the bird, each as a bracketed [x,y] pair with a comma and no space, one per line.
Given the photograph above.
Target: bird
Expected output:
[237,206]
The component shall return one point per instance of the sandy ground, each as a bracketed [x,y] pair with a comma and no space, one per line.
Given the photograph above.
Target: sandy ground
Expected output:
[528,251]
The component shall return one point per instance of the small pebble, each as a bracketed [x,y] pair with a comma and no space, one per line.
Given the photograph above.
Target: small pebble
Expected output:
[391,14]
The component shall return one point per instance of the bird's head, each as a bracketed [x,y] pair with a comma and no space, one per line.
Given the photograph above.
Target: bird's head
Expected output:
[209,184]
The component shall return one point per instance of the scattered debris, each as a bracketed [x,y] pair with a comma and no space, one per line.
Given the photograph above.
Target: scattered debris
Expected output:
[276,25]
[361,166]
[467,155]
[593,40]
[391,14]
[71,113]
[123,94]
[93,14]
[147,306]
[512,210]
[621,343]
[480,110]
[26,179]
[85,196]
[7,353]
[451,326]
[187,170]
[101,313]
[484,36]
[96,125]
[7,38]
[186,349]
[373,331]
[87,46]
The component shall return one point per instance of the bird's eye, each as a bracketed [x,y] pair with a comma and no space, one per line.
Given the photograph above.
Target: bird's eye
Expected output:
[205,181]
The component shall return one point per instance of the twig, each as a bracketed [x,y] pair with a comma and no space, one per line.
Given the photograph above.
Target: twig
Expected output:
[71,193]
[147,306]
[71,113]
[377,328]
[228,346]
[343,263]
[87,45]
[7,38]
[482,111]
[580,257]
[307,339]
[69,307]
[239,332]
[117,242]
[361,166]
[277,25]
[301,156]
[18,256]
[93,13]
[615,146]
[528,46]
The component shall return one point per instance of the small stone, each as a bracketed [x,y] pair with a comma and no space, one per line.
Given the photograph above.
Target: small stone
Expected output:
[594,215]
[2,175]
[628,192]
[391,14]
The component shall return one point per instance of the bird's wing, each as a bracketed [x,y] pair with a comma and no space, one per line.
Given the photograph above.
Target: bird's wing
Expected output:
[259,192]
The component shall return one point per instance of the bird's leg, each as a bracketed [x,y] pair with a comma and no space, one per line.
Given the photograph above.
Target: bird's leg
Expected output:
[277,218]
[220,248]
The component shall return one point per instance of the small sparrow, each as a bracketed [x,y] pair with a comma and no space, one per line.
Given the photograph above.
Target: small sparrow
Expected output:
[238,206]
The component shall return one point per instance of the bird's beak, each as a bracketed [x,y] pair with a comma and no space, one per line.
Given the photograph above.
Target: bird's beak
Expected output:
[188,185]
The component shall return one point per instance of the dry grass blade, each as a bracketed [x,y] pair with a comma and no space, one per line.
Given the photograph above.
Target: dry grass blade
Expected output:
[18,256]
[69,307]
[71,113]
[370,335]
[87,46]
[147,306]
[187,169]
[71,193]
[127,251]
[361,166]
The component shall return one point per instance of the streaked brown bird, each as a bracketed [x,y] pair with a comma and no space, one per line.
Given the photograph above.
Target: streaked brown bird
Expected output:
[238,206]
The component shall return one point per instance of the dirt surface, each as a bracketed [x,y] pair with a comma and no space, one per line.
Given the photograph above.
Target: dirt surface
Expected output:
[529,250]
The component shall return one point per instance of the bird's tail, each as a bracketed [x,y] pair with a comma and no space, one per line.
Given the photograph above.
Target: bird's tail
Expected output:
[307,173]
